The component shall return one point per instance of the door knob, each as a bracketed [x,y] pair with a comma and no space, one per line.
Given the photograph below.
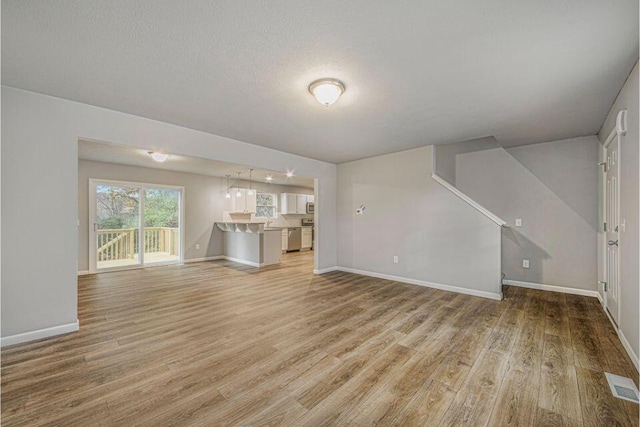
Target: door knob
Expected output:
[613,242]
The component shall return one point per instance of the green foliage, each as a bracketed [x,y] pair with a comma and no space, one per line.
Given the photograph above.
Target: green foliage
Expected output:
[118,207]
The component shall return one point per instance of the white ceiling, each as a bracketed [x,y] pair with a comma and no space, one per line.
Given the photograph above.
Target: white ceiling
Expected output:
[416,72]
[124,155]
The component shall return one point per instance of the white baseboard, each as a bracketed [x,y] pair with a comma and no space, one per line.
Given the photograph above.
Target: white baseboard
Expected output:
[325,270]
[243,261]
[552,288]
[450,288]
[83,272]
[39,334]
[209,258]
[632,354]
[600,298]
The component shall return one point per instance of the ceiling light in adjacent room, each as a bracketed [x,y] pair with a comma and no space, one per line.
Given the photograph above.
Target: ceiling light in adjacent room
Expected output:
[227,194]
[326,91]
[158,157]
[238,192]
[289,174]
[250,192]
[268,178]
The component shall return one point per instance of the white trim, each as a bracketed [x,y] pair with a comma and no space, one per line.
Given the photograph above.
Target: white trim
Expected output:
[39,334]
[209,258]
[325,270]
[449,288]
[600,298]
[552,288]
[243,261]
[83,272]
[469,201]
[632,354]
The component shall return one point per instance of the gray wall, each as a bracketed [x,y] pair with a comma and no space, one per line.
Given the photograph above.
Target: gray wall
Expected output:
[203,198]
[629,210]
[552,187]
[437,236]
[446,155]
[39,195]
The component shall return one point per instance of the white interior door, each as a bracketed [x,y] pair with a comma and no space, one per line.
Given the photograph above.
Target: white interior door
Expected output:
[612,219]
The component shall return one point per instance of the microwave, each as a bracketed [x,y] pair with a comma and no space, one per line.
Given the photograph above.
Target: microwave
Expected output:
[310,207]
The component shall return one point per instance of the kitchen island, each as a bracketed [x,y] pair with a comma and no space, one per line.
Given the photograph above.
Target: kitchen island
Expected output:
[251,243]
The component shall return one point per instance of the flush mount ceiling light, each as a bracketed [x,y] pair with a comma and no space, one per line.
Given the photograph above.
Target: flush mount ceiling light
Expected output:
[158,157]
[326,91]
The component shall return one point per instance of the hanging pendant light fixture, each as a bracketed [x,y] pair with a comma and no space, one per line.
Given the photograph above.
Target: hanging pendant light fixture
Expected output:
[227,194]
[238,192]
[250,192]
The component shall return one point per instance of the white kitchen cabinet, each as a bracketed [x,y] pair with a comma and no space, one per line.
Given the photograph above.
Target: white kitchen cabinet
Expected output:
[307,233]
[285,239]
[294,203]
[246,203]
[301,203]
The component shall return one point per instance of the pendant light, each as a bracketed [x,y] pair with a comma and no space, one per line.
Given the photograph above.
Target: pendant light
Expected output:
[227,194]
[238,192]
[250,192]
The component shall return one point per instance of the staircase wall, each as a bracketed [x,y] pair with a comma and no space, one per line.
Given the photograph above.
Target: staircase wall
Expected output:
[552,187]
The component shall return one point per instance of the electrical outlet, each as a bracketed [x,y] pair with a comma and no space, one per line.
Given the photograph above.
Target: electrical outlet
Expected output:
[518,222]
[395,259]
[197,246]
[525,263]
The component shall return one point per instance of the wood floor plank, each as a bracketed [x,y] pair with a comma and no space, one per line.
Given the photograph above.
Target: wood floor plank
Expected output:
[219,343]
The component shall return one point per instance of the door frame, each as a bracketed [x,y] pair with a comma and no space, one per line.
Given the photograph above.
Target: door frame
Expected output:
[617,132]
[93,262]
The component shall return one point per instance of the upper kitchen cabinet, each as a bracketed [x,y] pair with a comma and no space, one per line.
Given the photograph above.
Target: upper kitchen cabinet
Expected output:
[294,203]
[245,203]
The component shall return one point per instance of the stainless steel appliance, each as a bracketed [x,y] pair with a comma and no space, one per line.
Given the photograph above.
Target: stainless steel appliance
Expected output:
[308,222]
[310,207]
[295,239]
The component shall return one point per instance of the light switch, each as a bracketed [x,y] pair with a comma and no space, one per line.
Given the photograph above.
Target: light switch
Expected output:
[518,222]
[525,263]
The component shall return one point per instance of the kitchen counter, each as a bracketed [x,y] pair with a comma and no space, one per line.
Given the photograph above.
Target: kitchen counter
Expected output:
[251,243]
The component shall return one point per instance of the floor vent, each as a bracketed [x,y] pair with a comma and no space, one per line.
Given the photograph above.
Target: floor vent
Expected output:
[622,387]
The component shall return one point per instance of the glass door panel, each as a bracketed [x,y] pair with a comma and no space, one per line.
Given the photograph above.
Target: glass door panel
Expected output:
[117,226]
[161,225]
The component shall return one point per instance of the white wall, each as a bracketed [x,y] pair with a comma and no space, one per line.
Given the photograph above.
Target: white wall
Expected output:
[39,195]
[552,188]
[447,154]
[204,204]
[437,236]
[629,210]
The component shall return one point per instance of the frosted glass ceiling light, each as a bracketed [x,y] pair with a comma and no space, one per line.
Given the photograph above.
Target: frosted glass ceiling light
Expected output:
[326,91]
[158,157]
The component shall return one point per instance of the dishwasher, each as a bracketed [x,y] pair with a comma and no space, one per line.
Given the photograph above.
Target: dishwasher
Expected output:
[295,239]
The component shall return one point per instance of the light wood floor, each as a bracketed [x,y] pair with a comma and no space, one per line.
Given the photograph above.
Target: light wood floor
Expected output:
[217,343]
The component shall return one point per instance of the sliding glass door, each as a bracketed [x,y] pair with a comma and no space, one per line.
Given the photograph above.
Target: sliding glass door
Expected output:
[134,225]
[161,225]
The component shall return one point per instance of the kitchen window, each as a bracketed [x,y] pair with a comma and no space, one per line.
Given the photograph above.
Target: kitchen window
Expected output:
[266,205]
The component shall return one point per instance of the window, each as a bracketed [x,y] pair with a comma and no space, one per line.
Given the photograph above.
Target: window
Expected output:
[266,205]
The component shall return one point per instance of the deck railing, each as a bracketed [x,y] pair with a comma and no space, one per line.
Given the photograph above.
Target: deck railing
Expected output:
[115,244]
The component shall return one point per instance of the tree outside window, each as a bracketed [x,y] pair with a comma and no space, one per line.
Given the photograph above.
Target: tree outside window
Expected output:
[266,205]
